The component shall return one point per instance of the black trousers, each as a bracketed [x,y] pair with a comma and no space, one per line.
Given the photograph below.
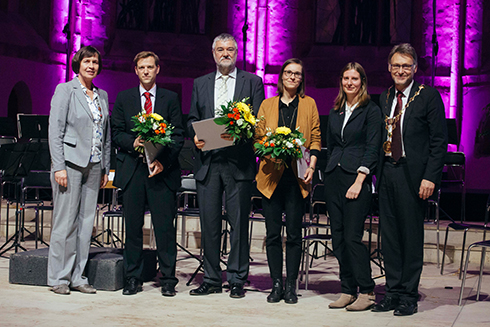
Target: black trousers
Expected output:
[402,232]
[140,191]
[287,197]
[347,221]
[238,195]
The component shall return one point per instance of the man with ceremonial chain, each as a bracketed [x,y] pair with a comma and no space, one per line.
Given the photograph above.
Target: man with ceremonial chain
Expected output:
[409,171]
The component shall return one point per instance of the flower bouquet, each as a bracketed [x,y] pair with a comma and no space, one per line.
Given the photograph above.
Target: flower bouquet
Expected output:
[155,131]
[282,144]
[238,119]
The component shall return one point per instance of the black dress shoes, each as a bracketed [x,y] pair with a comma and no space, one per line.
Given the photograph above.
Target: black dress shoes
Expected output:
[388,303]
[168,290]
[406,308]
[237,291]
[206,289]
[277,292]
[290,295]
[133,286]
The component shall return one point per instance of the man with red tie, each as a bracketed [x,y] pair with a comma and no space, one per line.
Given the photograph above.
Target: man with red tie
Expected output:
[157,189]
[409,170]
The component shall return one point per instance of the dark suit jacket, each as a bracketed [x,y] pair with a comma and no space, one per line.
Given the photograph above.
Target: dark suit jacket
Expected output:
[202,107]
[128,104]
[424,135]
[361,143]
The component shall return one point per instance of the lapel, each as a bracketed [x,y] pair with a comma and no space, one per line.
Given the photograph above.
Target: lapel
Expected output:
[338,115]
[410,108]
[104,106]
[389,102]
[209,88]
[81,96]
[386,104]
[357,111]
[135,98]
[159,101]
[274,114]
[135,107]
[240,82]
[337,118]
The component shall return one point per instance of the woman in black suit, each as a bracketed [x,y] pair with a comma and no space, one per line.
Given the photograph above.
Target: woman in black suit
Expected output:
[353,143]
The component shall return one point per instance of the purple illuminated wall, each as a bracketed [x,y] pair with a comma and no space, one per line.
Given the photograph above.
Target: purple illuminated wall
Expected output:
[272,27]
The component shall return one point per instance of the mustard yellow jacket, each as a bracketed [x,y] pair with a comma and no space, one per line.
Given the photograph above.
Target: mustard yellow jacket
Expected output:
[308,122]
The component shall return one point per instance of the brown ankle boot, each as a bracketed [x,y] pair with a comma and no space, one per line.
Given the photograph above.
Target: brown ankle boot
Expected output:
[363,302]
[343,301]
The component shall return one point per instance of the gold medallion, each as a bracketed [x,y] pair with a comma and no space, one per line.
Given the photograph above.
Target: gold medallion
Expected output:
[387,147]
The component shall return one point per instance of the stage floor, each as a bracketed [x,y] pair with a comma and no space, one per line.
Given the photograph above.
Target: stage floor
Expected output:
[35,306]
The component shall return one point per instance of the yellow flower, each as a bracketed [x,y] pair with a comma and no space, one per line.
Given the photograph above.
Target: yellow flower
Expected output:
[283,130]
[156,116]
[249,117]
[243,107]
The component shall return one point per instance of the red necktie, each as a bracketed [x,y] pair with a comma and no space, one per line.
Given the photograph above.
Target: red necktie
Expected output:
[396,142]
[147,103]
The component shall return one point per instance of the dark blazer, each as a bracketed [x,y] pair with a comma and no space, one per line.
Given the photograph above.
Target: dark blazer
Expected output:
[202,107]
[361,143]
[128,104]
[424,135]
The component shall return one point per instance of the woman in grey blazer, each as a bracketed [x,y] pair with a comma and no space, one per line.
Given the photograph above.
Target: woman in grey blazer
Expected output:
[353,143]
[79,144]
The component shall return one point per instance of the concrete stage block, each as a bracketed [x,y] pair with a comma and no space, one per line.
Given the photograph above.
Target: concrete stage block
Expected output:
[30,267]
[104,269]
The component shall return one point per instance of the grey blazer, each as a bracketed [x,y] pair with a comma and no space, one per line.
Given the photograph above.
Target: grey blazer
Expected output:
[70,127]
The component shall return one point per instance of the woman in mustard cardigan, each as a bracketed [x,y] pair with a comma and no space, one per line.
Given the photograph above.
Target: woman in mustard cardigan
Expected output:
[283,189]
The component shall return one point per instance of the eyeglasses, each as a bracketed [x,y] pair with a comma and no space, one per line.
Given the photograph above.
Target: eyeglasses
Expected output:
[405,68]
[221,50]
[288,73]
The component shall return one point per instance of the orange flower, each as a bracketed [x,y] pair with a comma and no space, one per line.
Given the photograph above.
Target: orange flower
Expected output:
[231,122]
[235,110]
[163,125]
[237,116]
[230,115]
[157,131]
[272,144]
[266,144]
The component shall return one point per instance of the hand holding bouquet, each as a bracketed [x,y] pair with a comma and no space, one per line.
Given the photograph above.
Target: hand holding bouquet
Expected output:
[282,144]
[152,128]
[238,119]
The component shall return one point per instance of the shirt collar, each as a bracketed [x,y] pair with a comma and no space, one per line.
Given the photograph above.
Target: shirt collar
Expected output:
[347,108]
[84,89]
[406,92]
[292,104]
[232,74]
[152,91]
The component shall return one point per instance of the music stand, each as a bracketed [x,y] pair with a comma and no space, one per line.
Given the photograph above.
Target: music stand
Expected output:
[32,126]
[15,169]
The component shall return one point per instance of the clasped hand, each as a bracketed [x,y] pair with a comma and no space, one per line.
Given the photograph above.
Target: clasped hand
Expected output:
[156,167]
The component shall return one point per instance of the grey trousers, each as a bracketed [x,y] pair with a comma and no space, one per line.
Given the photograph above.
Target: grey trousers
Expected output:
[72,223]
